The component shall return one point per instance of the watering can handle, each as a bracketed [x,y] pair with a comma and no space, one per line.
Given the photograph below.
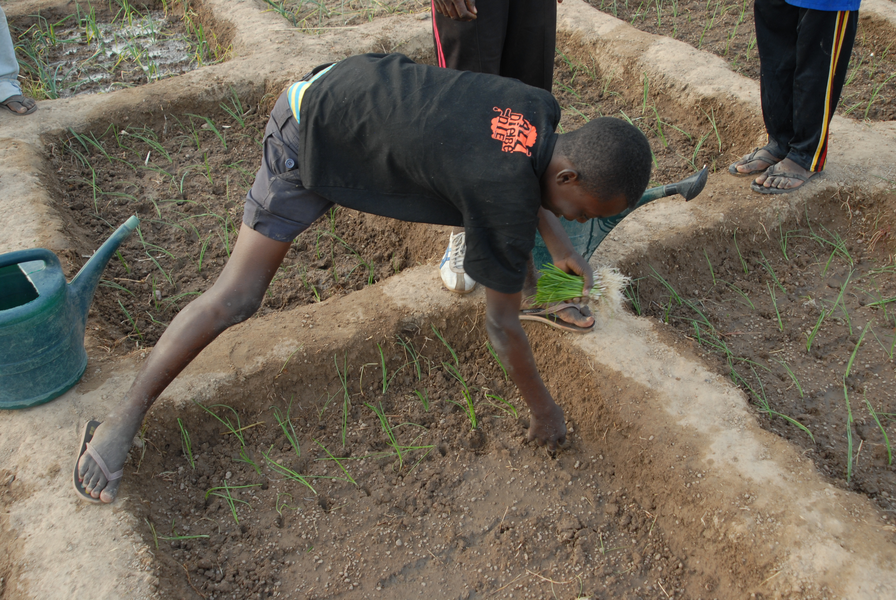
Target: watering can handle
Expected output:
[21,256]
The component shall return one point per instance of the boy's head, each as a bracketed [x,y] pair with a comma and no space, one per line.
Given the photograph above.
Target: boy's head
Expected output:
[608,163]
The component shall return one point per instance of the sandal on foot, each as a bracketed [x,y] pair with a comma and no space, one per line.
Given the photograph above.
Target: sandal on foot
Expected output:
[87,436]
[751,157]
[761,189]
[549,317]
[21,100]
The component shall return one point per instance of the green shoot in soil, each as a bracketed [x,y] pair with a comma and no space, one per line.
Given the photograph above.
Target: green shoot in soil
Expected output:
[881,427]
[849,417]
[234,428]
[185,443]
[288,473]
[743,263]
[503,405]
[763,402]
[468,407]
[338,462]
[424,398]
[793,378]
[228,497]
[771,292]
[447,345]
[289,431]
[494,354]
[711,272]
[415,358]
[346,399]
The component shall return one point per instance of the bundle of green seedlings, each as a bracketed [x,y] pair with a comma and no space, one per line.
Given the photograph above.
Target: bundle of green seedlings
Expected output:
[556,285]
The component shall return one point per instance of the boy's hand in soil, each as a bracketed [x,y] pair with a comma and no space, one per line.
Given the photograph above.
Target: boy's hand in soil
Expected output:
[459,10]
[548,429]
[546,426]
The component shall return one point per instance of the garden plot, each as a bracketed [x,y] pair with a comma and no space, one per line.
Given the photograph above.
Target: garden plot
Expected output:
[328,449]
[187,183]
[105,46]
[319,16]
[801,317]
[726,29]
[393,465]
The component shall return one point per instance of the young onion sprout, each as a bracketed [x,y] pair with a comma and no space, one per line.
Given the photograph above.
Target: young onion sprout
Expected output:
[556,285]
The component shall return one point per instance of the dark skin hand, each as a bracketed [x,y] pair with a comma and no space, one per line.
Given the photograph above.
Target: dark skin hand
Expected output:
[547,426]
[459,10]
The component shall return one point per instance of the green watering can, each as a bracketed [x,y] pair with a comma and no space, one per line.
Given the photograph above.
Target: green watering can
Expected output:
[586,237]
[42,321]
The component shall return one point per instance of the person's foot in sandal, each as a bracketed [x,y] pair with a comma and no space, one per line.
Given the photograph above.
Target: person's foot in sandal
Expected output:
[111,441]
[757,161]
[562,315]
[19,105]
[568,316]
[782,178]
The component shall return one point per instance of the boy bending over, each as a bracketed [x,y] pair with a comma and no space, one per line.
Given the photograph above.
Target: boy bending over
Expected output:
[384,135]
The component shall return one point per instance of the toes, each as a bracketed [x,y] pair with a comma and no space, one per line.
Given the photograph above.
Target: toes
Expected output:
[576,316]
[110,491]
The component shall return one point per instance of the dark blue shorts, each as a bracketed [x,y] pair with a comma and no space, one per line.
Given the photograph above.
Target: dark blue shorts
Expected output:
[278,206]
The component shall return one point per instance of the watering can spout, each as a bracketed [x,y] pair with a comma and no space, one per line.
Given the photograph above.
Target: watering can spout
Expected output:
[84,284]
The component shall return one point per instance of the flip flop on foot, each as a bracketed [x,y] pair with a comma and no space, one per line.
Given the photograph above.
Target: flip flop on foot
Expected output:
[759,156]
[107,477]
[552,316]
[776,179]
[19,105]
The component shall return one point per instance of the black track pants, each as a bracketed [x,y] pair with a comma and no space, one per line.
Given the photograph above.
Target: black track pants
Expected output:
[512,38]
[803,55]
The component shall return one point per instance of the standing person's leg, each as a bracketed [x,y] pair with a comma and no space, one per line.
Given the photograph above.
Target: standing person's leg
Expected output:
[476,46]
[820,58]
[823,50]
[530,45]
[776,38]
[10,91]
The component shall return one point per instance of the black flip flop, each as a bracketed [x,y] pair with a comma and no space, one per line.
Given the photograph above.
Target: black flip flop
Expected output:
[21,100]
[86,437]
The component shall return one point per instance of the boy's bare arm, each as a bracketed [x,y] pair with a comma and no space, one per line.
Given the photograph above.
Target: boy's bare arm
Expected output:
[562,252]
[546,423]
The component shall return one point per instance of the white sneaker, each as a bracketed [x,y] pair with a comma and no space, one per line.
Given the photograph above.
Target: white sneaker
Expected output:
[452,266]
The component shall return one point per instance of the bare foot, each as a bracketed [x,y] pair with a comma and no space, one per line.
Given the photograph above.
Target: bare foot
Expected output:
[111,441]
[756,161]
[19,105]
[577,314]
[786,175]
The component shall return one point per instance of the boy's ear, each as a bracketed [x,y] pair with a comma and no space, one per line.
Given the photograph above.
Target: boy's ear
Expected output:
[567,176]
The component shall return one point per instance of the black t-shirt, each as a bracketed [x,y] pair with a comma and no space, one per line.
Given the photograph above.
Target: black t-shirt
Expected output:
[384,135]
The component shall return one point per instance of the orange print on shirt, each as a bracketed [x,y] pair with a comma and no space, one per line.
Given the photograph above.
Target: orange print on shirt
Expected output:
[515,133]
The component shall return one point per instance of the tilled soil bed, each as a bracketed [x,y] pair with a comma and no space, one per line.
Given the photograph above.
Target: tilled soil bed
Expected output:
[187,181]
[394,493]
[802,318]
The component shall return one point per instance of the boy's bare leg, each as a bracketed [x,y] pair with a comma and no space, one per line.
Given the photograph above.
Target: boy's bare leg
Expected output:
[579,315]
[234,297]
